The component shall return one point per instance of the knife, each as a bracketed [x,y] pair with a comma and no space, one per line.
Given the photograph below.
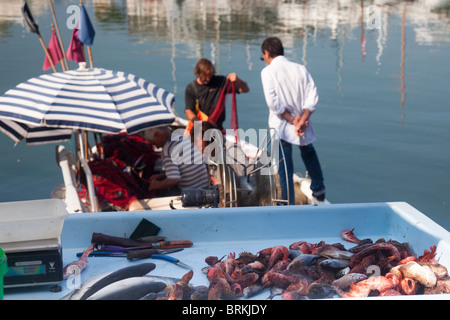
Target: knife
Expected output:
[100,238]
[145,254]
[170,244]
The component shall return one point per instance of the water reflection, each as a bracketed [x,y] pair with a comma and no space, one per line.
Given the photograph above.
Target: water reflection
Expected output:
[196,28]
[402,63]
[192,21]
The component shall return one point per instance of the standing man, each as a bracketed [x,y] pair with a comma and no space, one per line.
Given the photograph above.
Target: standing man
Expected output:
[291,96]
[202,94]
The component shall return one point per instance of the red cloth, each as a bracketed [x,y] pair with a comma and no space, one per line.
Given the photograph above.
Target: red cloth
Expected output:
[55,52]
[123,175]
[75,52]
[221,105]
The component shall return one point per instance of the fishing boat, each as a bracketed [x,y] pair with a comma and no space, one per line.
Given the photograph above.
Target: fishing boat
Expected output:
[241,180]
[221,231]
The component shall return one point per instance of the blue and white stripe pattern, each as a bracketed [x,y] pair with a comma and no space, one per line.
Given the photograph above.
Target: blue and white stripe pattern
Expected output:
[36,135]
[95,100]
[183,162]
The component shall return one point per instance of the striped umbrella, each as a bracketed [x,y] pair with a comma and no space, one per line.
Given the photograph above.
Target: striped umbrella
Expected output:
[34,135]
[95,100]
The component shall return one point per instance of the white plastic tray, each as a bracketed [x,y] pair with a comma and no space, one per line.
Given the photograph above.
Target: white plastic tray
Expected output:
[31,220]
[217,232]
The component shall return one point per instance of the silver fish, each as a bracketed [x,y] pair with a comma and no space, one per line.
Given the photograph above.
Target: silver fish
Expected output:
[342,272]
[335,253]
[206,269]
[304,260]
[318,290]
[166,280]
[86,285]
[346,280]
[294,254]
[92,285]
[252,290]
[128,289]
[149,296]
[335,263]
[275,291]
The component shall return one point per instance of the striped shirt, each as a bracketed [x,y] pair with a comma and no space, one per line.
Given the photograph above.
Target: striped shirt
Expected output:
[183,162]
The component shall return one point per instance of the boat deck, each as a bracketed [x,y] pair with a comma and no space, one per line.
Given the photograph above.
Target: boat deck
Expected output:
[218,232]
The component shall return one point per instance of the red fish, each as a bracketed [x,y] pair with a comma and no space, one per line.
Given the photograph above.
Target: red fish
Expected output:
[348,235]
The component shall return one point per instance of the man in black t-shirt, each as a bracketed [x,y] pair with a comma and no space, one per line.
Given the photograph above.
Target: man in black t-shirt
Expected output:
[202,94]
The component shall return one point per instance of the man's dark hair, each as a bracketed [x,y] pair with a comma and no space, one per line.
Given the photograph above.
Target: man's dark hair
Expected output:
[274,46]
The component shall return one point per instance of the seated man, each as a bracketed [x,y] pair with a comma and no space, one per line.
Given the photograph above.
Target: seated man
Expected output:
[204,140]
[183,165]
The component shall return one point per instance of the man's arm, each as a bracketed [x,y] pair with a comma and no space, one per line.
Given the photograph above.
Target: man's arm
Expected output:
[242,85]
[190,101]
[190,115]
[162,184]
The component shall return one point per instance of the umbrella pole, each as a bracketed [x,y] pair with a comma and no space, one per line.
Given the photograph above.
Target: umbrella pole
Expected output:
[91,63]
[59,35]
[88,173]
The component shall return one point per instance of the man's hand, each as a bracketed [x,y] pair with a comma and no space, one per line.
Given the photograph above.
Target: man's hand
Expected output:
[243,87]
[300,126]
[232,77]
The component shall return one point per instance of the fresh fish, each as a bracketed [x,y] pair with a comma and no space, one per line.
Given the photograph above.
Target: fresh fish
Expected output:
[442,287]
[127,272]
[361,245]
[275,291]
[128,289]
[335,263]
[78,293]
[252,290]
[206,269]
[303,260]
[294,253]
[200,293]
[346,280]
[79,265]
[166,280]
[439,270]
[318,290]
[342,272]
[348,235]
[422,274]
[335,253]
[149,296]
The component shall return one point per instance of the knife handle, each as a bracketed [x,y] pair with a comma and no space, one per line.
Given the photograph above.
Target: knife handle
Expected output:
[100,238]
[141,254]
[173,244]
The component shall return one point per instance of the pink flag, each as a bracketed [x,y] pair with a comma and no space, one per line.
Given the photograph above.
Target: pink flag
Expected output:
[55,52]
[75,52]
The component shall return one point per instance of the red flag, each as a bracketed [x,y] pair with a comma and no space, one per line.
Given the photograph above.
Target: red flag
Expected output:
[55,52]
[75,52]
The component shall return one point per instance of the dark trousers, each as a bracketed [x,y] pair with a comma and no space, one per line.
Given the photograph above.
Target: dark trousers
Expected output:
[312,164]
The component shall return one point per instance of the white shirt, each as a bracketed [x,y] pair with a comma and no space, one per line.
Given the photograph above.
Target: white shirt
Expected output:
[289,86]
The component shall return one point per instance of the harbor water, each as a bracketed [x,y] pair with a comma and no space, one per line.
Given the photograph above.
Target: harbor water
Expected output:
[381,68]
